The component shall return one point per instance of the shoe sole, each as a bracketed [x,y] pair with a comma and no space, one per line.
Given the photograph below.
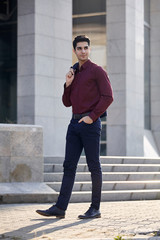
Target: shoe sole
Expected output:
[47,215]
[97,216]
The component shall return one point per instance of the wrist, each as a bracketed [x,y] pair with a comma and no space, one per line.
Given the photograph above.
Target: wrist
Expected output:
[67,84]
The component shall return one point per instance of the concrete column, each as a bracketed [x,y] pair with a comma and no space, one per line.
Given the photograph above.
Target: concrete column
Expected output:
[155,70]
[125,54]
[44,57]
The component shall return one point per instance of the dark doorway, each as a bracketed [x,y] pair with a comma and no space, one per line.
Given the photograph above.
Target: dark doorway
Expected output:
[8,61]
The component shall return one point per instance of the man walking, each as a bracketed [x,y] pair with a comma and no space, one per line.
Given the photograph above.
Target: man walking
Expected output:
[88,91]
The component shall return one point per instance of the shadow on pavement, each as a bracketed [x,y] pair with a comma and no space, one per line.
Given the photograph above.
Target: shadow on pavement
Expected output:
[29,232]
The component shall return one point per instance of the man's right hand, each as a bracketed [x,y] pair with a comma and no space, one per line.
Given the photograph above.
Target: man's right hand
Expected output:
[69,77]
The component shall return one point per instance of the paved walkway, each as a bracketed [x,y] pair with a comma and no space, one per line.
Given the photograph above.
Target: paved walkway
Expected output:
[134,219]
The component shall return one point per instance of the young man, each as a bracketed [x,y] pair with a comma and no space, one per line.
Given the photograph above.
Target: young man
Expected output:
[89,92]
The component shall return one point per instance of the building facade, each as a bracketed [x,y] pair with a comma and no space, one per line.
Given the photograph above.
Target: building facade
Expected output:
[36,52]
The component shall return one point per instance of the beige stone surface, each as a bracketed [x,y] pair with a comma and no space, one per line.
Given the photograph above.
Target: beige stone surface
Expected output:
[21,153]
[131,220]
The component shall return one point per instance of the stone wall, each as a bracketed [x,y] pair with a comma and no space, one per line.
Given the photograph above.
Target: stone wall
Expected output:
[21,153]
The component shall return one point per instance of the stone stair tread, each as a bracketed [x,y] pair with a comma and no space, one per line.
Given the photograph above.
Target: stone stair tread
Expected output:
[109,176]
[119,191]
[120,195]
[82,167]
[128,157]
[22,192]
[117,159]
[124,182]
[105,173]
[112,173]
[111,164]
[85,182]
[110,185]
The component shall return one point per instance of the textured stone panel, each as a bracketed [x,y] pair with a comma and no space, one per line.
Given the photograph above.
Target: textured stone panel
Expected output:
[117,142]
[26,64]
[44,45]
[45,25]
[67,29]
[26,7]
[46,7]
[4,143]
[26,25]
[26,143]
[26,106]
[26,86]
[45,106]
[4,169]
[29,42]
[44,65]
[26,169]
[21,153]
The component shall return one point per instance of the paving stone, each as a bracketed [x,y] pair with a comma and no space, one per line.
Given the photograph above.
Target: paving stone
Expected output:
[131,220]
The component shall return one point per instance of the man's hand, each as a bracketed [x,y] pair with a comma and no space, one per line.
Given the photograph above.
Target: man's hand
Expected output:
[69,77]
[86,119]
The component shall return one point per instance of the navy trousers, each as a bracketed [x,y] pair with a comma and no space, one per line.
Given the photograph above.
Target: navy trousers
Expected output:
[81,136]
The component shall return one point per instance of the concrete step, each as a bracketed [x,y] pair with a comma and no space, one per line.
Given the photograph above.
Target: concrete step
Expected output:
[124,178]
[26,192]
[82,167]
[110,185]
[110,176]
[124,195]
[110,160]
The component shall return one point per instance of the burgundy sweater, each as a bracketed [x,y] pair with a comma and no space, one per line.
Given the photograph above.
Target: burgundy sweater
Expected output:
[90,91]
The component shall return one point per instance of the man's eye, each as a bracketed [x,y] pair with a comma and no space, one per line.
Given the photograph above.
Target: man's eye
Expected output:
[79,48]
[86,48]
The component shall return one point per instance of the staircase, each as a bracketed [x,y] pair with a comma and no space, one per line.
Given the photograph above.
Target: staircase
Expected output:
[124,178]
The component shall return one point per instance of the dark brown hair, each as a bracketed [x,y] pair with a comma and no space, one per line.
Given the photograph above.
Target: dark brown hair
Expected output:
[81,38]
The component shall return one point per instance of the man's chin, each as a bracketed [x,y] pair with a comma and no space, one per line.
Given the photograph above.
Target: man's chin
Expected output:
[84,59]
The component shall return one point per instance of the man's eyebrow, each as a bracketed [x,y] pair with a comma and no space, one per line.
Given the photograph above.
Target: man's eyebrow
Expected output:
[83,47]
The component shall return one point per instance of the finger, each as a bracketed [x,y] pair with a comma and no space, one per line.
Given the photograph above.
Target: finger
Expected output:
[69,74]
[81,120]
[71,71]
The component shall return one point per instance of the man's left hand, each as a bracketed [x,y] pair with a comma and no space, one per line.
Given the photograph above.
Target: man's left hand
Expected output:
[86,119]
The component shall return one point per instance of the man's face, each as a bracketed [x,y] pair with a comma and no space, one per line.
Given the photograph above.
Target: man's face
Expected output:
[82,51]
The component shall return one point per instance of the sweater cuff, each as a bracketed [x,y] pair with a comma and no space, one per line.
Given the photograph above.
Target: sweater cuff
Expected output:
[93,116]
[67,88]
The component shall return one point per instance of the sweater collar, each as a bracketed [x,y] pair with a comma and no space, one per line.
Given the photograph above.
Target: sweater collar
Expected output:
[85,65]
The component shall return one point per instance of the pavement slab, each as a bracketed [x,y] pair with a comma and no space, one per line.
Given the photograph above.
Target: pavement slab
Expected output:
[123,220]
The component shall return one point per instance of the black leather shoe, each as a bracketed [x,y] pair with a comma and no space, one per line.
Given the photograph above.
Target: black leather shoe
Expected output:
[52,211]
[91,213]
